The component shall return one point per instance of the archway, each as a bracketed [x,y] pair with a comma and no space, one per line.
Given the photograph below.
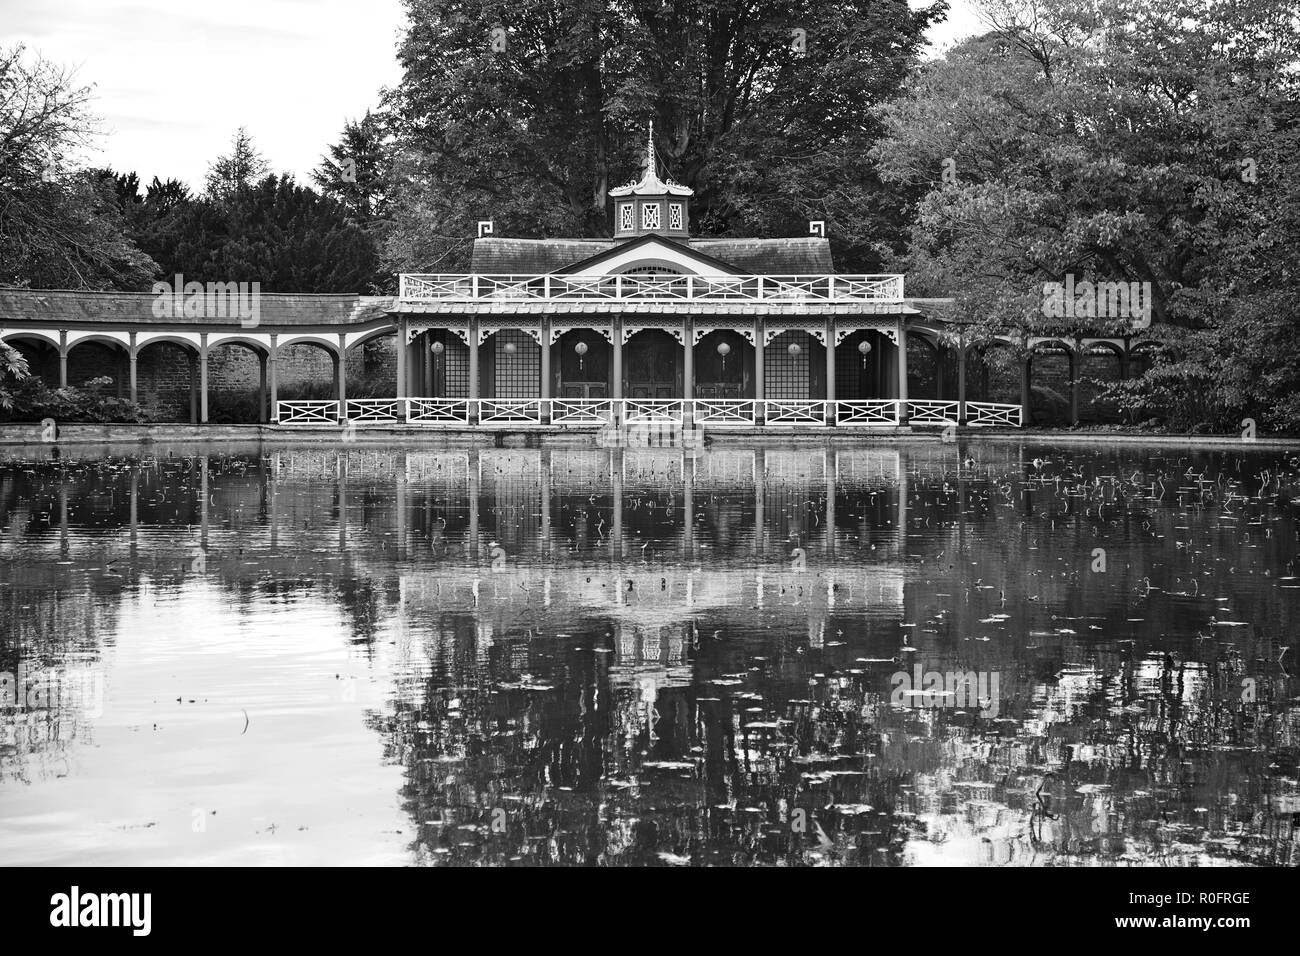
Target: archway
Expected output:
[42,356]
[167,380]
[306,370]
[1050,368]
[237,386]
[1101,364]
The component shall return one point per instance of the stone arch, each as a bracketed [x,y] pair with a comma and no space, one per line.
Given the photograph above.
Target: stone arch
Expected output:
[1143,355]
[1100,363]
[167,379]
[41,353]
[1051,366]
[237,381]
[371,364]
[306,368]
[96,357]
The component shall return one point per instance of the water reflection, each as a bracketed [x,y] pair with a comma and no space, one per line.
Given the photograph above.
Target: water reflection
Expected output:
[981,654]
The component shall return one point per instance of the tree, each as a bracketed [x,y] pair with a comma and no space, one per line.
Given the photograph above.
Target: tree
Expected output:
[57,230]
[235,171]
[355,172]
[1124,143]
[528,113]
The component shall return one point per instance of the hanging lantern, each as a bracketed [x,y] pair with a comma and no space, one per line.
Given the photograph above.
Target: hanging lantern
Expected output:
[723,350]
[510,348]
[580,347]
[437,348]
[864,347]
[794,349]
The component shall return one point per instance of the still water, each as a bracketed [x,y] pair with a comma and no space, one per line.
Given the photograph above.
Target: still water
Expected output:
[976,654]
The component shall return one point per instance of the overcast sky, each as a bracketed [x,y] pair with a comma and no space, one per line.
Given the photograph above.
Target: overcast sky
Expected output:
[173,79]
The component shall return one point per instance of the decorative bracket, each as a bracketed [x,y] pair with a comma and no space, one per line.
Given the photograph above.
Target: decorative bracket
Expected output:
[887,329]
[702,331]
[603,331]
[631,330]
[414,330]
[484,330]
[815,329]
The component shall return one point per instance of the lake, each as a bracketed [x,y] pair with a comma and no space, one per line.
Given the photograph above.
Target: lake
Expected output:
[985,653]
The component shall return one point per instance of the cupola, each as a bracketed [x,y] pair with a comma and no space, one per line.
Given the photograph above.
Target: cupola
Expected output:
[651,206]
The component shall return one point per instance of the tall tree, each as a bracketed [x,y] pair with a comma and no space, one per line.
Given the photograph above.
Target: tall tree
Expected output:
[355,173]
[237,170]
[527,113]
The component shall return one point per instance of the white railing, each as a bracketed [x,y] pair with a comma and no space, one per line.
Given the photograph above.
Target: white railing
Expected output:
[794,411]
[303,412]
[651,288]
[437,411]
[725,411]
[926,411]
[641,411]
[598,412]
[581,411]
[374,409]
[983,414]
[509,411]
[867,411]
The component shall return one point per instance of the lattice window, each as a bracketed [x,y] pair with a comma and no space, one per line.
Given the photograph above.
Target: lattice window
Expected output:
[626,217]
[518,373]
[651,271]
[456,368]
[650,216]
[674,215]
[785,376]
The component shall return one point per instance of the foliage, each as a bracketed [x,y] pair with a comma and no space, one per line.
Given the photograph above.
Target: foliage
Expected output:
[56,230]
[1117,141]
[528,113]
[31,400]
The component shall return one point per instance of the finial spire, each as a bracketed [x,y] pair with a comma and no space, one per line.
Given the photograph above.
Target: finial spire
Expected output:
[650,151]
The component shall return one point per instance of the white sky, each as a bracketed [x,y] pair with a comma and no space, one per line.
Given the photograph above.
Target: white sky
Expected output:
[173,79]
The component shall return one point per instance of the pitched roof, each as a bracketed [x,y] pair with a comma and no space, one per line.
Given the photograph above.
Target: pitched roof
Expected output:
[802,256]
[62,305]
